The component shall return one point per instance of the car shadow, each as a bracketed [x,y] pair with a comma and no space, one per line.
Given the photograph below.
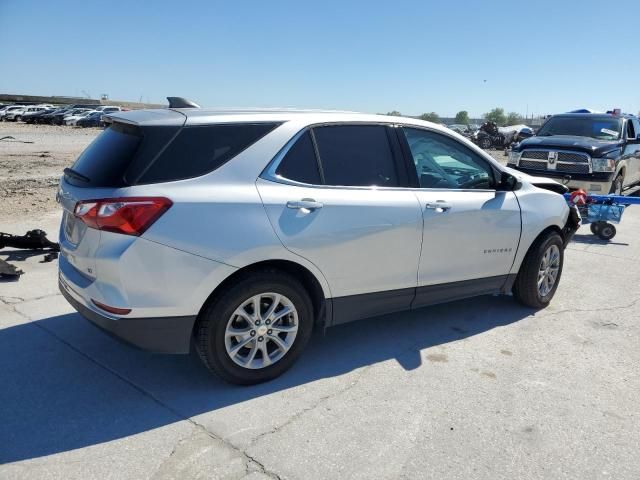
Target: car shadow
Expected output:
[84,388]
[594,240]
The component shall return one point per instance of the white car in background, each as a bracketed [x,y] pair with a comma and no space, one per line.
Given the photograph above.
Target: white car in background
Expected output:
[108,109]
[8,110]
[16,115]
[73,119]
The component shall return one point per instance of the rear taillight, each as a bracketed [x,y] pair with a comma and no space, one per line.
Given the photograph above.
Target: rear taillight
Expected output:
[127,215]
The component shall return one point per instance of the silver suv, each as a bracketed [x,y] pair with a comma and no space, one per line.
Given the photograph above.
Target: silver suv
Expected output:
[239,231]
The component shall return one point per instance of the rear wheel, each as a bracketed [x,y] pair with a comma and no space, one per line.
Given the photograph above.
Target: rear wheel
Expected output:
[540,272]
[255,331]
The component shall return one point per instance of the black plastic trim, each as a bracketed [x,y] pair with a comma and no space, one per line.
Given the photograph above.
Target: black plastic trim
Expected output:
[158,335]
[448,292]
[355,307]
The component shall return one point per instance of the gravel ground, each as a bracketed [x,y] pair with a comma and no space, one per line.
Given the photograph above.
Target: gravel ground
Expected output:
[32,162]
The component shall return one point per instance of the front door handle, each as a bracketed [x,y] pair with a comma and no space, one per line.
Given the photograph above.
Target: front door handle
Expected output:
[439,206]
[304,204]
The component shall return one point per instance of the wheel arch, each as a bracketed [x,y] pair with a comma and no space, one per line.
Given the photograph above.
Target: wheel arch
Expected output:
[322,306]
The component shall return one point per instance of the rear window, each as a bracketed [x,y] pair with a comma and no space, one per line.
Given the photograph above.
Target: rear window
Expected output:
[200,150]
[356,155]
[106,159]
[300,163]
[128,155]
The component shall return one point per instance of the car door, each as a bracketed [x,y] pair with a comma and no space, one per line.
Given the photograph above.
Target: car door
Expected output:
[631,152]
[333,197]
[471,231]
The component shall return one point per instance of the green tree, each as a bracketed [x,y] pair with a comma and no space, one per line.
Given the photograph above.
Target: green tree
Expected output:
[514,118]
[430,117]
[496,115]
[394,113]
[462,117]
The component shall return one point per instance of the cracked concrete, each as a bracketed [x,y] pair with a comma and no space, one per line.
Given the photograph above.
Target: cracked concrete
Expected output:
[426,394]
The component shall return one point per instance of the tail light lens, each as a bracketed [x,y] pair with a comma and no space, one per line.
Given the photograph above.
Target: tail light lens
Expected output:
[127,215]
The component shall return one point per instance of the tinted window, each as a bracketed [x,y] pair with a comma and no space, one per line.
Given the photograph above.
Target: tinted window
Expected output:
[442,162]
[199,150]
[106,159]
[300,164]
[601,128]
[631,132]
[356,155]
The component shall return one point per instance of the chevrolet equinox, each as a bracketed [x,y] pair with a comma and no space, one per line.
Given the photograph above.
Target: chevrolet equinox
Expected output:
[238,231]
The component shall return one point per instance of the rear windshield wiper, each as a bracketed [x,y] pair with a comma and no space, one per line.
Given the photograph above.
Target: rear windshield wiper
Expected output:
[78,176]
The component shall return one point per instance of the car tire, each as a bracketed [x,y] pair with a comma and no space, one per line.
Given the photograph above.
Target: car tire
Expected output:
[606,231]
[617,185]
[241,359]
[485,143]
[17,118]
[545,257]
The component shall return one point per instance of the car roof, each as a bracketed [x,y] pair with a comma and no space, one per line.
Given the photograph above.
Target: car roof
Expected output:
[205,116]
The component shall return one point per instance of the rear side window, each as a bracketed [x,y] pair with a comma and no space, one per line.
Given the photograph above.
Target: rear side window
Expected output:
[356,155]
[107,158]
[300,164]
[200,150]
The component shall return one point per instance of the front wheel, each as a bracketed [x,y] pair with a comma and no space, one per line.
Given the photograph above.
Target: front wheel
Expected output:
[254,331]
[617,185]
[540,272]
[485,142]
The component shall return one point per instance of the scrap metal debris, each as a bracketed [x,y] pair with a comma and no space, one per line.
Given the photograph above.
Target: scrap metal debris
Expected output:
[32,240]
[8,270]
[50,257]
[9,137]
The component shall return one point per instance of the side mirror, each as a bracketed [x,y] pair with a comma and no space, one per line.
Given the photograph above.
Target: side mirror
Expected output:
[508,182]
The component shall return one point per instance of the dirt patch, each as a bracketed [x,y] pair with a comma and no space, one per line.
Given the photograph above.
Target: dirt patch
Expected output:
[32,158]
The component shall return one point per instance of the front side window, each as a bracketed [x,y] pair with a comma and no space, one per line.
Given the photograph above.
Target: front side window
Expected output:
[442,162]
[356,155]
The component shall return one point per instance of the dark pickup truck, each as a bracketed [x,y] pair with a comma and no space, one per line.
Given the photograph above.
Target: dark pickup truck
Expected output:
[598,152]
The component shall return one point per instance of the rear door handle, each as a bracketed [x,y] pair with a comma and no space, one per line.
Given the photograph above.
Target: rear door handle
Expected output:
[439,206]
[305,203]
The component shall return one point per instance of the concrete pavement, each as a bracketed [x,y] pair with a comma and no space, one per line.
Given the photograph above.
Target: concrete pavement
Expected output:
[476,389]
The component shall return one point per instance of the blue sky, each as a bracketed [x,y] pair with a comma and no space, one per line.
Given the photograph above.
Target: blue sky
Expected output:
[412,56]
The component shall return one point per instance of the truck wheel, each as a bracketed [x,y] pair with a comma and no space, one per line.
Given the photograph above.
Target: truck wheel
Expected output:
[606,232]
[540,272]
[254,331]
[617,185]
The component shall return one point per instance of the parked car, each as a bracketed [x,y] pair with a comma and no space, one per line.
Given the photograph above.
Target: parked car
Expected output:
[17,114]
[73,119]
[92,120]
[8,110]
[58,118]
[47,118]
[108,109]
[280,221]
[33,117]
[597,152]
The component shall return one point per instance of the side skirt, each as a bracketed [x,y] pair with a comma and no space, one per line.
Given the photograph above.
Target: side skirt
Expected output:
[355,307]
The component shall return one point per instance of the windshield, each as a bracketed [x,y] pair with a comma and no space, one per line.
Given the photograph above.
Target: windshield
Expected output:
[600,128]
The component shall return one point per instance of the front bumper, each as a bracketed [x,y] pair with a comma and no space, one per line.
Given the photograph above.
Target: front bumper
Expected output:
[158,335]
[595,182]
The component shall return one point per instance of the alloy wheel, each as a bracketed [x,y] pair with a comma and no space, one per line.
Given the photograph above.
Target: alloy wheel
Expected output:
[548,270]
[261,330]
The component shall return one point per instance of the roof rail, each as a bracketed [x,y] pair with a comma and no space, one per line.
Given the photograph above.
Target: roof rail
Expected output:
[180,102]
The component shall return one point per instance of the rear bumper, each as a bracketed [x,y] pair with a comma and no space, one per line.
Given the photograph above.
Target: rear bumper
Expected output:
[158,335]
